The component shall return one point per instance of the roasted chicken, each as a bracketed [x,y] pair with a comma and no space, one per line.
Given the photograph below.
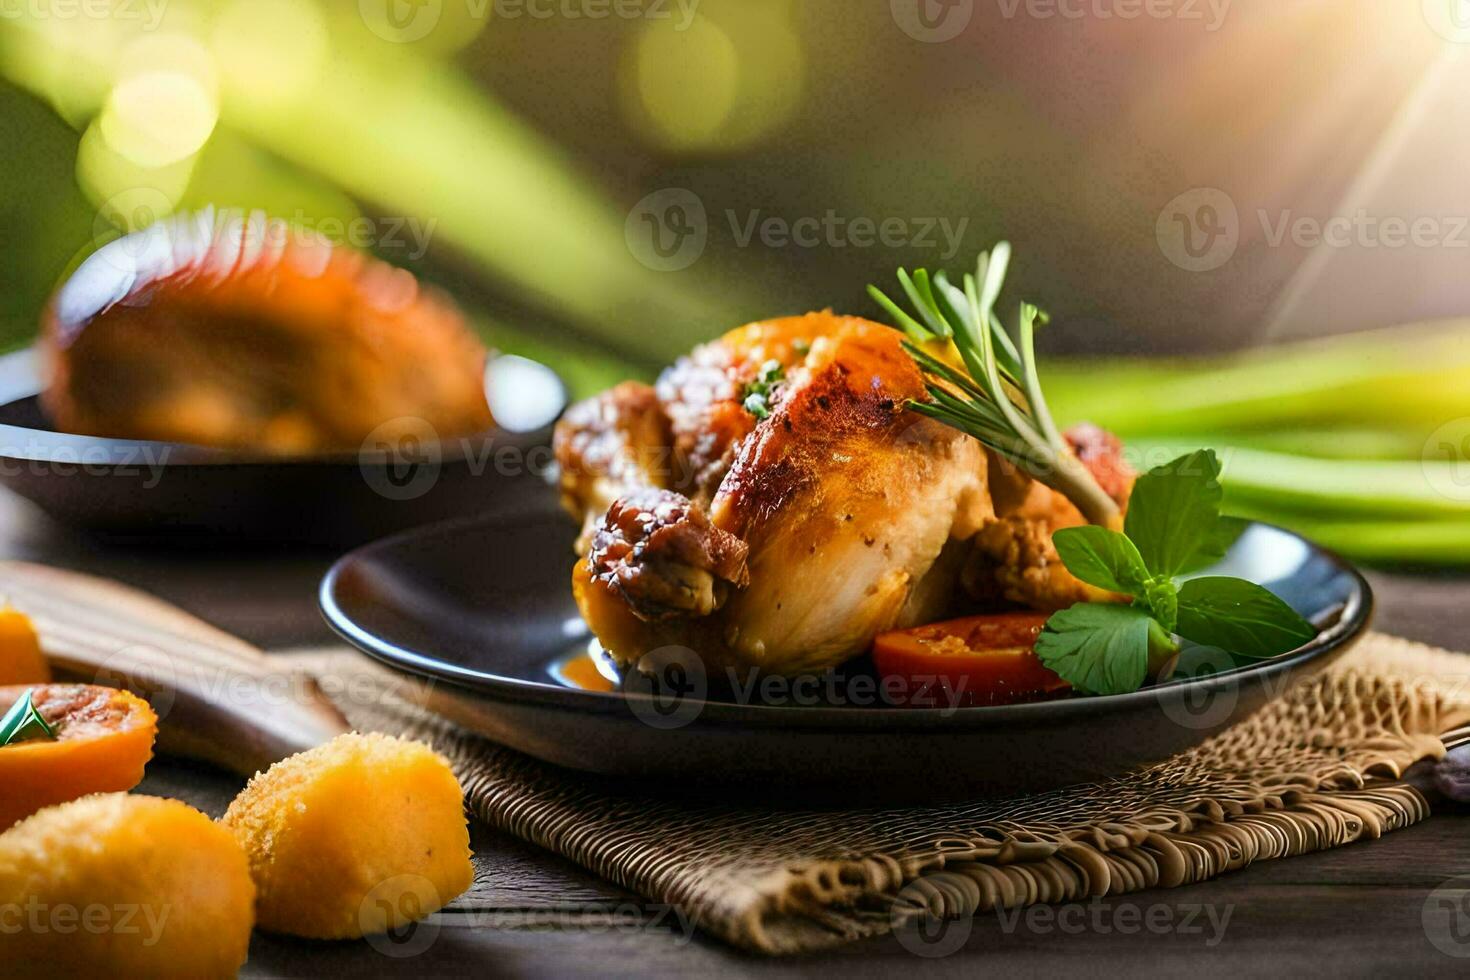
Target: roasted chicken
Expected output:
[234,330]
[771,503]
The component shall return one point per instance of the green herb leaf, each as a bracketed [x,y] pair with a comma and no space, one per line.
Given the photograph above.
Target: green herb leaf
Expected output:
[1102,558]
[1173,526]
[755,404]
[1226,533]
[24,723]
[1098,648]
[757,393]
[1239,617]
[1174,514]
[996,396]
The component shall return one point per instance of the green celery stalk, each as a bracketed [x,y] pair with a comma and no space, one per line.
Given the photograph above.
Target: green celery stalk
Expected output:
[1372,488]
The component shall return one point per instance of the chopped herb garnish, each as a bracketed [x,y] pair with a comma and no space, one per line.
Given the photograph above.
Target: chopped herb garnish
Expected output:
[993,392]
[1173,527]
[758,392]
[24,723]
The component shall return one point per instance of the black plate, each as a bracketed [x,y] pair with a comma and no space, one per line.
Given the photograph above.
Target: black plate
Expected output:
[178,492]
[485,606]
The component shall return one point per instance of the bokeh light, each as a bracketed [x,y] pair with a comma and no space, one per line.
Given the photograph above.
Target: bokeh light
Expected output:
[155,118]
[716,83]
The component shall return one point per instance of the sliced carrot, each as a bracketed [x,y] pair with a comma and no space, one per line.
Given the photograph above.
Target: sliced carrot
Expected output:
[104,738]
[21,660]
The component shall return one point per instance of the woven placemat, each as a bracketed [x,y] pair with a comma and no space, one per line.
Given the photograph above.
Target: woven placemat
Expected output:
[1317,768]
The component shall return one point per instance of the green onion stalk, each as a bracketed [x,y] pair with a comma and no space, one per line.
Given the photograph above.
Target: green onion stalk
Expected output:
[1360,441]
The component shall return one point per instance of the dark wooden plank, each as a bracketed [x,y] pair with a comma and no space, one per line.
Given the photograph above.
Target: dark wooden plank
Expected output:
[1226,929]
[1426,606]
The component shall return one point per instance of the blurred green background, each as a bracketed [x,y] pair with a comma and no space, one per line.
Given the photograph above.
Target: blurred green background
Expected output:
[603,183]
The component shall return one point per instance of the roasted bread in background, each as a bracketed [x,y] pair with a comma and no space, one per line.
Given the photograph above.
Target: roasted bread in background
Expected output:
[234,330]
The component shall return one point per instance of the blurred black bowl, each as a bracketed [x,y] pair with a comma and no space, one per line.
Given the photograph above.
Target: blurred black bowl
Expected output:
[164,492]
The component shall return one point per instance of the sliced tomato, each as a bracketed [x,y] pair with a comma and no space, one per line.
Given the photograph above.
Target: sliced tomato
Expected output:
[978,660]
[104,738]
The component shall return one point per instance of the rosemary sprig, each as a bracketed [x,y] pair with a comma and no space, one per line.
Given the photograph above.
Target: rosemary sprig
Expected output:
[23,722]
[997,397]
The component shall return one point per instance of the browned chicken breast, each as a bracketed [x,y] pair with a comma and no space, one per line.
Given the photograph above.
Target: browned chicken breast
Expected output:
[771,503]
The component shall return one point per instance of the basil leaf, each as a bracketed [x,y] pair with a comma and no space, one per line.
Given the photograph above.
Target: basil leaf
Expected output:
[1097,647]
[1227,532]
[1102,558]
[1239,617]
[23,722]
[1174,513]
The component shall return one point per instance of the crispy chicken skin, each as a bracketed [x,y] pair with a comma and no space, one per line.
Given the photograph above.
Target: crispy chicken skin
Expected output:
[786,543]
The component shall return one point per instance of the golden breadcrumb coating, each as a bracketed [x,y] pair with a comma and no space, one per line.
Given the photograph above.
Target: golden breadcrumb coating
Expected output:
[123,886]
[364,834]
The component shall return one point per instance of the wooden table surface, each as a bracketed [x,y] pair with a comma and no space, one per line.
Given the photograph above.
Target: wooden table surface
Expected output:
[1370,908]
